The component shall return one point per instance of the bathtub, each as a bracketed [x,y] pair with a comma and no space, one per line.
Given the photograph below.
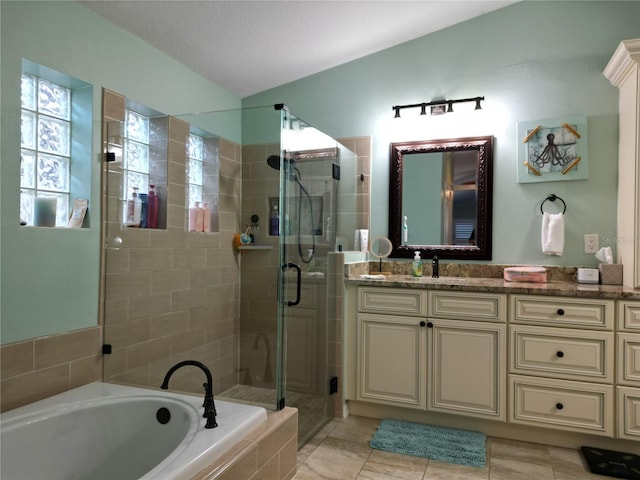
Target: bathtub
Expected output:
[103,431]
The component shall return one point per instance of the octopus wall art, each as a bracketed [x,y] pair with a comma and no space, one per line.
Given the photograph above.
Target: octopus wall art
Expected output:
[552,150]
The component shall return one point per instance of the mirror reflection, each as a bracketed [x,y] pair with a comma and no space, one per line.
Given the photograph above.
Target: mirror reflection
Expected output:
[440,198]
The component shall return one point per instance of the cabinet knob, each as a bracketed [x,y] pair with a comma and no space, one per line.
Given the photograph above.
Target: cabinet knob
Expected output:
[423,323]
[559,406]
[560,354]
[560,312]
[430,324]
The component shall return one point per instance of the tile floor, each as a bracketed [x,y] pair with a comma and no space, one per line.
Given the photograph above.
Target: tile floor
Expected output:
[340,451]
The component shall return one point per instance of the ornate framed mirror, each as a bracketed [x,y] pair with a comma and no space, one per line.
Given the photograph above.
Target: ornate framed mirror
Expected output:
[440,198]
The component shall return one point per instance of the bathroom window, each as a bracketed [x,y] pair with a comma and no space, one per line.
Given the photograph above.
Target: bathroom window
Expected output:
[202,180]
[136,154]
[144,167]
[45,155]
[55,145]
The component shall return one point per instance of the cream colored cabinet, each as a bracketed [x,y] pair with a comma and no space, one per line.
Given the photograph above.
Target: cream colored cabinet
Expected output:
[467,368]
[628,361]
[561,363]
[391,346]
[392,359]
[623,71]
[467,353]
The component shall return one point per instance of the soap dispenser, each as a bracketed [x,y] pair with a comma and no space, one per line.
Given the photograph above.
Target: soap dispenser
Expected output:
[417,265]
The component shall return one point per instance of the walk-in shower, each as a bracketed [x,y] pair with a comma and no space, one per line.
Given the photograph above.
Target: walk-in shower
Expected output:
[262,317]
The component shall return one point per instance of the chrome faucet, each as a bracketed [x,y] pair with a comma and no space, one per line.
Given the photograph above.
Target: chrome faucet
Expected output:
[209,405]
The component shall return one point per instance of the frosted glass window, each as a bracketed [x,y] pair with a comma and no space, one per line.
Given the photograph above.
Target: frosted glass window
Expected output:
[28,91]
[137,127]
[136,154]
[28,169]
[28,130]
[53,173]
[195,168]
[53,135]
[54,100]
[45,140]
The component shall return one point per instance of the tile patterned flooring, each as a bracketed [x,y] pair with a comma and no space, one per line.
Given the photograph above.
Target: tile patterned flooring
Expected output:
[340,451]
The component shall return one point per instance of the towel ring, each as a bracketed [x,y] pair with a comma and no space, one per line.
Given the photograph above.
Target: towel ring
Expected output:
[553,198]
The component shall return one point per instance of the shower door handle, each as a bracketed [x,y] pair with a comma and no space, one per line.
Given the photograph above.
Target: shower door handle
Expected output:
[298,281]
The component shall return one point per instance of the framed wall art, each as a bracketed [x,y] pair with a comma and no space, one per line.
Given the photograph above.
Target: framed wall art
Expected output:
[552,150]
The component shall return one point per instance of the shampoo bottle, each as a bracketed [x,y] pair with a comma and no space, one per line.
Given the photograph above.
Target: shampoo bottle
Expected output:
[417,265]
[137,208]
[274,221]
[152,208]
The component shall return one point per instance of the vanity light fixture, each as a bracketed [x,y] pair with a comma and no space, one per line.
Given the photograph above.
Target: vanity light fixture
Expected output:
[438,107]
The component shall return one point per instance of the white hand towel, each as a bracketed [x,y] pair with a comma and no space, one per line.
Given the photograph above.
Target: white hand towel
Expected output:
[552,233]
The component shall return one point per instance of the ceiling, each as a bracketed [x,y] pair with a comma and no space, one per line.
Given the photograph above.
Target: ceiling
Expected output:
[250,46]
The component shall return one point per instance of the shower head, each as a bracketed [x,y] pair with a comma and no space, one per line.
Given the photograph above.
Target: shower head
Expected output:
[274,161]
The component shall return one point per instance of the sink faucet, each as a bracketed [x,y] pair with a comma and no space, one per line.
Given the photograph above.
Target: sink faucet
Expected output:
[209,405]
[435,267]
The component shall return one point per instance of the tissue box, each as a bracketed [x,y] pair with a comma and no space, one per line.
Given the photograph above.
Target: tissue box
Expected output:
[610,273]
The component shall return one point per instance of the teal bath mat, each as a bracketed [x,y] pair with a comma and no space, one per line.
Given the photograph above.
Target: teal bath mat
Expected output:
[449,445]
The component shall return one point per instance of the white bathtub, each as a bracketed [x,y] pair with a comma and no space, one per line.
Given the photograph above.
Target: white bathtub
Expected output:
[103,431]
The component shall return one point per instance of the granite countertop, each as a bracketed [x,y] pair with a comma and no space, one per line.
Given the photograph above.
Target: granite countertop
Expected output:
[476,284]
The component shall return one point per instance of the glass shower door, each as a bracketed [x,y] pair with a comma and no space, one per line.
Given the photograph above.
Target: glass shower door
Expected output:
[309,172]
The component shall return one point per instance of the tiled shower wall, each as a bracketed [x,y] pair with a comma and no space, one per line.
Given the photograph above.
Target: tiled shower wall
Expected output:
[171,294]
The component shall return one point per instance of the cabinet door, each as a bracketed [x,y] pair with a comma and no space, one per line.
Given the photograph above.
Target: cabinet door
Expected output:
[391,360]
[467,368]
[629,413]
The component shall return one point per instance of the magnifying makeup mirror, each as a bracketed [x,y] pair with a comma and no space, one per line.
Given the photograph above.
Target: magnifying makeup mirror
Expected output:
[380,247]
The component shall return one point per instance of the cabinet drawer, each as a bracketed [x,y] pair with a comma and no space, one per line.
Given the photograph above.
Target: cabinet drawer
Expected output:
[629,358]
[576,312]
[629,413]
[461,305]
[629,316]
[578,406]
[562,353]
[399,301]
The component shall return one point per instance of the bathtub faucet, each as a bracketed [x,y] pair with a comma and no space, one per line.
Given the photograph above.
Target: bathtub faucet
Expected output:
[209,405]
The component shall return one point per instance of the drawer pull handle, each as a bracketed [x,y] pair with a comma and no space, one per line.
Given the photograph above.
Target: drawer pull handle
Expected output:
[423,323]
[430,324]
[560,312]
[559,406]
[560,354]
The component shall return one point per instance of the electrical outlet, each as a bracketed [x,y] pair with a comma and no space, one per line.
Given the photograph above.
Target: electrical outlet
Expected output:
[591,242]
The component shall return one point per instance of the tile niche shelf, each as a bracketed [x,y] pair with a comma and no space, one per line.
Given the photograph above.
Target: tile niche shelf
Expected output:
[255,247]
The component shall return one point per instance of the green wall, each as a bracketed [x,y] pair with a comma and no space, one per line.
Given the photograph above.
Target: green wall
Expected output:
[50,277]
[531,60]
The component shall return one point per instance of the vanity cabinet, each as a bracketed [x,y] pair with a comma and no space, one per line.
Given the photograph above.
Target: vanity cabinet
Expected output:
[628,378]
[391,348]
[467,354]
[561,376]
[457,364]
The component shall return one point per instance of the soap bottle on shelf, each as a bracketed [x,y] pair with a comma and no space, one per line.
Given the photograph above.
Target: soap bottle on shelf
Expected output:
[152,208]
[144,209]
[195,218]
[274,221]
[416,266]
[132,210]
